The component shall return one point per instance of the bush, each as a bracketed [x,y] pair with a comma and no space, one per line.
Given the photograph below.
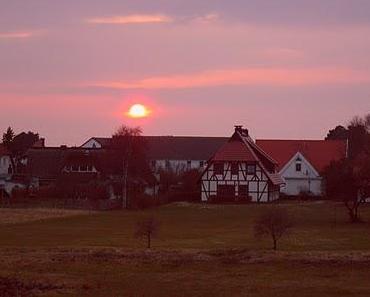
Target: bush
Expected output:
[143,201]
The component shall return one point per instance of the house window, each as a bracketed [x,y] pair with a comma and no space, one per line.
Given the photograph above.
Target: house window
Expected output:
[234,168]
[218,168]
[243,190]
[83,168]
[298,167]
[168,165]
[201,163]
[188,164]
[251,169]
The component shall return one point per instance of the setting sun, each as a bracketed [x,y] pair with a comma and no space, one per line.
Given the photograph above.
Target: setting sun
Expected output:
[138,111]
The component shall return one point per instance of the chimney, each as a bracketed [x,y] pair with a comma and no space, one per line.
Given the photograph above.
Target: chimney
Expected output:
[238,128]
[241,131]
[245,132]
[63,146]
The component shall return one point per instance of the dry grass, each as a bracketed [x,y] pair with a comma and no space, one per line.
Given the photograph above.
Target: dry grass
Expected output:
[9,216]
[202,250]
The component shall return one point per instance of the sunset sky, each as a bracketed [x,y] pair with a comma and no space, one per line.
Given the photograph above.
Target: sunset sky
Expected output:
[285,69]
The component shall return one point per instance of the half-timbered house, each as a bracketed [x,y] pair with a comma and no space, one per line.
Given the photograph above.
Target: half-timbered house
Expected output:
[240,171]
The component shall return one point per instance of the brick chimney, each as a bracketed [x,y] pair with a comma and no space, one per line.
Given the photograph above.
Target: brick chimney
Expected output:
[241,131]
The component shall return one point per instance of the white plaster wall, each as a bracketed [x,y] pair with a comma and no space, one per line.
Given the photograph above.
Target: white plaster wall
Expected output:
[294,186]
[212,185]
[297,181]
[4,165]
[91,143]
[179,164]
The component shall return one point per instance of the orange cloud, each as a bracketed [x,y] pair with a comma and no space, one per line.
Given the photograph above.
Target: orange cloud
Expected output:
[251,76]
[131,19]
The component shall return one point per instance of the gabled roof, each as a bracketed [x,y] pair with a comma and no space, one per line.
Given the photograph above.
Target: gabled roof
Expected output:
[242,148]
[320,153]
[235,150]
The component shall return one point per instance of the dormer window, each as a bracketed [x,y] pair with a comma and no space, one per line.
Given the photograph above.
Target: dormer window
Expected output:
[251,169]
[218,168]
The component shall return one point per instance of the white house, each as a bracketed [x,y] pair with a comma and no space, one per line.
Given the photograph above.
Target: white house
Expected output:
[240,171]
[301,163]
[6,170]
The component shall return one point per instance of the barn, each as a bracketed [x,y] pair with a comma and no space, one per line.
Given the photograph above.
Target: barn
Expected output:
[240,171]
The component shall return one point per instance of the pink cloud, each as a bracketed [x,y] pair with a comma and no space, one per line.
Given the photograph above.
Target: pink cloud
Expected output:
[131,19]
[249,76]
[20,34]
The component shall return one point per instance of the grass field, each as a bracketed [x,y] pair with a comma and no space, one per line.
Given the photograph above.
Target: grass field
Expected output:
[201,250]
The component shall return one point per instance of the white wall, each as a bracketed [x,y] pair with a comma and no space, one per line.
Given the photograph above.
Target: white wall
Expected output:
[179,164]
[5,161]
[243,180]
[92,143]
[308,179]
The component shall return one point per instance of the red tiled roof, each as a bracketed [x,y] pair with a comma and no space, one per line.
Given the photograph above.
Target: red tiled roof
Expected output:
[318,152]
[234,150]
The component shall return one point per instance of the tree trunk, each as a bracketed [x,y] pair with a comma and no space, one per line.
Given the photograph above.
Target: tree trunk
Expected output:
[353,211]
[149,240]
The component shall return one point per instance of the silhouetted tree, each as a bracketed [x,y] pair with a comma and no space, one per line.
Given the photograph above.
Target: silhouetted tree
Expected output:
[349,181]
[129,150]
[147,228]
[22,142]
[8,137]
[339,132]
[274,222]
[357,134]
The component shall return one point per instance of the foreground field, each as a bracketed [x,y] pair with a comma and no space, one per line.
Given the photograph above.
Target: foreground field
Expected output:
[201,250]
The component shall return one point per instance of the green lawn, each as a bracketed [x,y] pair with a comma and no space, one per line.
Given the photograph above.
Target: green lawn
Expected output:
[201,250]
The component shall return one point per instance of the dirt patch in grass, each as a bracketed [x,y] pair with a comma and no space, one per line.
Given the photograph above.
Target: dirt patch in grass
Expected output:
[11,286]
[9,216]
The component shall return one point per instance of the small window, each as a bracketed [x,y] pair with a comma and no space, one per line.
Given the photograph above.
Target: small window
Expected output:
[234,168]
[83,168]
[201,163]
[298,167]
[168,164]
[188,164]
[251,169]
[218,168]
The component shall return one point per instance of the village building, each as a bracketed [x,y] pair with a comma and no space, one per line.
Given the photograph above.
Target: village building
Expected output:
[6,170]
[47,166]
[240,171]
[177,153]
[301,163]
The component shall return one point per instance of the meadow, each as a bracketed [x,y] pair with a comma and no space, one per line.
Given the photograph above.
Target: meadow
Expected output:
[201,250]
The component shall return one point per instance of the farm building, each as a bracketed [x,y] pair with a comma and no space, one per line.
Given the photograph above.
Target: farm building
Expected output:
[301,163]
[179,153]
[240,171]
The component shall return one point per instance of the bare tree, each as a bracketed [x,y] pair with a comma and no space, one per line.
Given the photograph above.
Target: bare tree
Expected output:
[147,228]
[126,142]
[274,222]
